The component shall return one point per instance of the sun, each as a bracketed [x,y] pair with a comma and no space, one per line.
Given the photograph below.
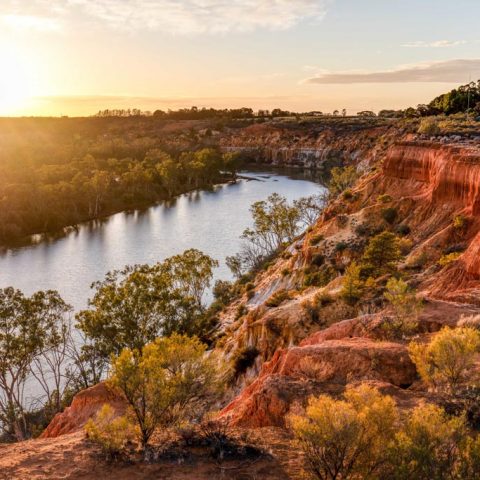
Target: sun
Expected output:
[16,83]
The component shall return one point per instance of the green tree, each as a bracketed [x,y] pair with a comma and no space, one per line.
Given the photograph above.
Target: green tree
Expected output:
[446,362]
[29,326]
[341,179]
[405,306]
[172,379]
[132,307]
[353,285]
[346,438]
[382,254]
[429,446]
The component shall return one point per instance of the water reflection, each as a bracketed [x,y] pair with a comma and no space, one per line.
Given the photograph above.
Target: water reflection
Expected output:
[211,221]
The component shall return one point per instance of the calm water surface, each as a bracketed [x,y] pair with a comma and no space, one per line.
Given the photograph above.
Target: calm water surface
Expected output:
[211,221]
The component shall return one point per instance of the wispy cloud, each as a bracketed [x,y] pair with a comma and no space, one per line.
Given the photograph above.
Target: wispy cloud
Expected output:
[435,44]
[177,16]
[448,71]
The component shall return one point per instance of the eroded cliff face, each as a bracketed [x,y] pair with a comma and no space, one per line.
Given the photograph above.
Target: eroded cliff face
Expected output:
[316,147]
[429,184]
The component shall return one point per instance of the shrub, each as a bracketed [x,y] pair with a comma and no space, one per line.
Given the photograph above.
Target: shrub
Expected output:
[112,433]
[353,285]
[250,294]
[384,198]
[249,286]
[429,446]
[348,195]
[318,260]
[286,271]
[320,278]
[244,359]
[382,254]
[405,245]
[316,239]
[448,259]
[428,126]
[346,438]
[405,309]
[277,298]
[446,362]
[403,230]
[342,178]
[241,311]
[390,215]
[341,246]
[223,291]
[171,380]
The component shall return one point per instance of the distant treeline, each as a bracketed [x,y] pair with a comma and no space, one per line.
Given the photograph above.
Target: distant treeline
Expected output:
[51,177]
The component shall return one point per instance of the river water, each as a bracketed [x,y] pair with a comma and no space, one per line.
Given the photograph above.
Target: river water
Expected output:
[210,221]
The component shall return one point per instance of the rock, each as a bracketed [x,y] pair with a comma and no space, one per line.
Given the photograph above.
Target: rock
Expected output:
[84,406]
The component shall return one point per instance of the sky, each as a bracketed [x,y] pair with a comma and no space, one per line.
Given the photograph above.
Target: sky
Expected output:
[75,57]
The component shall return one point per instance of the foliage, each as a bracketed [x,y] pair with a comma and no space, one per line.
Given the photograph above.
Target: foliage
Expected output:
[446,362]
[277,298]
[244,359]
[275,223]
[429,446]
[310,208]
[346,438]
[320,277]
[33,336]
[390,215]
[112,433]
[384,198]
[172,379]
[405,307]
[381,254]
[223,291]
[429,126]
[448,259]
[341,179]
[59,172]
[132,307]
[457,100]
[353,285]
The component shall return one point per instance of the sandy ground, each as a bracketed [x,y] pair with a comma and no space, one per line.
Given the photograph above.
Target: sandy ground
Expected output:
[72,457]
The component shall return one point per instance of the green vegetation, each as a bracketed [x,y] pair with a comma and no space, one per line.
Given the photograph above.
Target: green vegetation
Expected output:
[446,362]
[353,285]
[169,381]
[390,215]
[34,337]
[244,359]
[364,436]
[405,306]
[342,179]
[134,306]
[112,433]
[59,172]
[275,224]
[381,254]
[448,259]
[277,298]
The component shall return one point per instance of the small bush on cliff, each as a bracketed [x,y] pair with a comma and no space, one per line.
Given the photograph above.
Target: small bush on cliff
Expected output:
[346,438]
[113,434]
[277,298]
[448,259]
[244,359]
[446,362]
[390,215]
[353,285]
[405,306]
[429,126]
[341,179]
[171,380]
[381,254]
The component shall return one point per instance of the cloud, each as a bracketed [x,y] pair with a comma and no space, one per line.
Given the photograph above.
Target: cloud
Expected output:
[436,44]
[448,71]
[178,16]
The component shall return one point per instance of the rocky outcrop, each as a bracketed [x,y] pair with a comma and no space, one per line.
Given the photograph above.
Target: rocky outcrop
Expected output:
[84,406]
[317,366]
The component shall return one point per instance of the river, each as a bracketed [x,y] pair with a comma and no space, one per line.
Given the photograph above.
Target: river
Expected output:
[211,221]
